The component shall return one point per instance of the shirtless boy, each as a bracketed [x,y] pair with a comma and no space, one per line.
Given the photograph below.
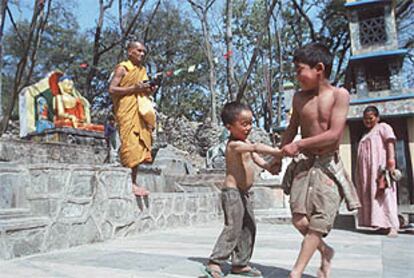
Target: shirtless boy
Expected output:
[316,178]
[238,235]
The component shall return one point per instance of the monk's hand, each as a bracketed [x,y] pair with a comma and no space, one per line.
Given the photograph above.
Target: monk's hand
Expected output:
[291,149]
[153,88]
[141,86]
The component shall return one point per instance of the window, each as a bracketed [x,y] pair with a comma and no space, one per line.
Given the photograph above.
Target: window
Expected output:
[378,76]
[372,26]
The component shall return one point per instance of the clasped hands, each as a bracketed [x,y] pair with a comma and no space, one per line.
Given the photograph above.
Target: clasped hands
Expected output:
[145,87]
[274,166]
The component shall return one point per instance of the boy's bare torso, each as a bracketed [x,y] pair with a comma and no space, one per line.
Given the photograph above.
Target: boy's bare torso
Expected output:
[240,170]
[314,112]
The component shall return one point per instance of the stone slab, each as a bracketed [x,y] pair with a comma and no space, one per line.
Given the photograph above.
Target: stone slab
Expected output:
[181,253]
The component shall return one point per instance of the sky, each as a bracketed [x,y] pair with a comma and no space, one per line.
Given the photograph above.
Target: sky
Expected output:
[87,11]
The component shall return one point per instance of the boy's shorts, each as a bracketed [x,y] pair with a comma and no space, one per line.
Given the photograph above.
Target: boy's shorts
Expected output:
[314,193]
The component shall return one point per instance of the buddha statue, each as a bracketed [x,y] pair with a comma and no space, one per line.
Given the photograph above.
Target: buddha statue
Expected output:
[72,110]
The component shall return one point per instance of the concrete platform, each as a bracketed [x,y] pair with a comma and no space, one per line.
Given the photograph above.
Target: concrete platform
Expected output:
[180,253]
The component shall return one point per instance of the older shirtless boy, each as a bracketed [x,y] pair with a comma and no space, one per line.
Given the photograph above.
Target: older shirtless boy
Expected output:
[316,178]
[238,235]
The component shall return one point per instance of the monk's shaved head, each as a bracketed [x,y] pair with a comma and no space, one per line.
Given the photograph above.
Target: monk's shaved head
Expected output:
[134,44]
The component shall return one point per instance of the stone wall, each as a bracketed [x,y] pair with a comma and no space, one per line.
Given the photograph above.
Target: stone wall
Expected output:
[47,207]
[25,151]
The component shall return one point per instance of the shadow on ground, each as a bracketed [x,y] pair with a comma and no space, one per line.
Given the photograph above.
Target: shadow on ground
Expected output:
[267,271]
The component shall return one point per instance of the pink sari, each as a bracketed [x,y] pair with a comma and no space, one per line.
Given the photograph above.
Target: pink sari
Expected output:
[378,210]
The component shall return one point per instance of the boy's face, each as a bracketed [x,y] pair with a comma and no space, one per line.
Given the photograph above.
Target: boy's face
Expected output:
[308,77]
[241,127]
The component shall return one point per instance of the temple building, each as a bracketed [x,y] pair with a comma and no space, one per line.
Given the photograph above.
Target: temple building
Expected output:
[375,78]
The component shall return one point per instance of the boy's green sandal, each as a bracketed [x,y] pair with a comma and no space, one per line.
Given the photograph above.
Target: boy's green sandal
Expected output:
[252,272]
[212,273]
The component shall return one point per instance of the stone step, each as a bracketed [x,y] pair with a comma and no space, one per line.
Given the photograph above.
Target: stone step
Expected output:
[21,223]
[346,221]
[273,216]
[14,213]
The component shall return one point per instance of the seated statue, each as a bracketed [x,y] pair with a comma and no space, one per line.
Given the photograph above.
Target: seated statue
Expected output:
[53,102]
[42,114]
[72,110]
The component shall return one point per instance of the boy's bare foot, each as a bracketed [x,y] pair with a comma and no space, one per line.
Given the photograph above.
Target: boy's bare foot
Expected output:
[246,271]
[214,271]
[393,233]
[324,270]
[294,274]
[139,190]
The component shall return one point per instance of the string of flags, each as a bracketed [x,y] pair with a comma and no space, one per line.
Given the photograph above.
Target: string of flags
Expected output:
[175,72]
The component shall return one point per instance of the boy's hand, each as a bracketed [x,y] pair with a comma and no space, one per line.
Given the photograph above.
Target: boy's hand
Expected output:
[275,166]
[291,149]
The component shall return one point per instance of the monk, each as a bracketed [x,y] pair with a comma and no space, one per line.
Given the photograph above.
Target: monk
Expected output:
[127,87]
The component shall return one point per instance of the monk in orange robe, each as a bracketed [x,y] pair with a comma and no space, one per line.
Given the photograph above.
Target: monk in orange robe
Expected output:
[135,133]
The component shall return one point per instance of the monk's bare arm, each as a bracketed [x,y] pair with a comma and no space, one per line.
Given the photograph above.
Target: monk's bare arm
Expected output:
[115,88]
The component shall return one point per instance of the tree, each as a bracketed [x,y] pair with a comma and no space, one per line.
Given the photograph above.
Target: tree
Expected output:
[3,7]
[202,14]
[229,43]
[31,44]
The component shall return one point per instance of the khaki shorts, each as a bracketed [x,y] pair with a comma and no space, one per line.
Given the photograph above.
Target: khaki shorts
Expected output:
[314,194]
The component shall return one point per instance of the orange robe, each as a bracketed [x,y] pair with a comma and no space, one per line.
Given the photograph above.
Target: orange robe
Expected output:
[136,137]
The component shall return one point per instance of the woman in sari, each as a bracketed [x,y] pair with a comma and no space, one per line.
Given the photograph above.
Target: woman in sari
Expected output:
[376,151]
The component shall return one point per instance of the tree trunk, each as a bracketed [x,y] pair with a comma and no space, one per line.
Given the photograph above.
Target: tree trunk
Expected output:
[229,42]
[212,71]
[3,6]
[281,72]
[202,15]
[21,66]
[256,51]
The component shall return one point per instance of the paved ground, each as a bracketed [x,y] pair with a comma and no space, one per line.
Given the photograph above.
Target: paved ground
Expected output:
[180,253]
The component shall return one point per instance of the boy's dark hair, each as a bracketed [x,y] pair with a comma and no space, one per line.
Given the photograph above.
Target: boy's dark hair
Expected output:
[373,109]
[231,110]
[314,53]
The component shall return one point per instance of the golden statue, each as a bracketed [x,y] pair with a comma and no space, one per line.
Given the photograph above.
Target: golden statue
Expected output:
[72,109]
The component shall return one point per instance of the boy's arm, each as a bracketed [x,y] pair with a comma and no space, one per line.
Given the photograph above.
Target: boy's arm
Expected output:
[288,136]
[332,135]
[243,147]
[261,162]
[265,149]
[240,146]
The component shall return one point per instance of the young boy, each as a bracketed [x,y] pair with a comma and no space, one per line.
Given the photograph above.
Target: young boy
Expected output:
[316,178]
[238,235]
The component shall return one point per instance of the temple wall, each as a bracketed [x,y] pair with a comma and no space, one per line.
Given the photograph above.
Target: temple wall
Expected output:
[46,207]
[410,131]
[26,152]
[345,150]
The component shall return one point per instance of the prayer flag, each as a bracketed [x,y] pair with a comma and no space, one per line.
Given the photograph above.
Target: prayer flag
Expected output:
[191,68]
[228,54]
[169,73]
[216,60]
[177,72]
